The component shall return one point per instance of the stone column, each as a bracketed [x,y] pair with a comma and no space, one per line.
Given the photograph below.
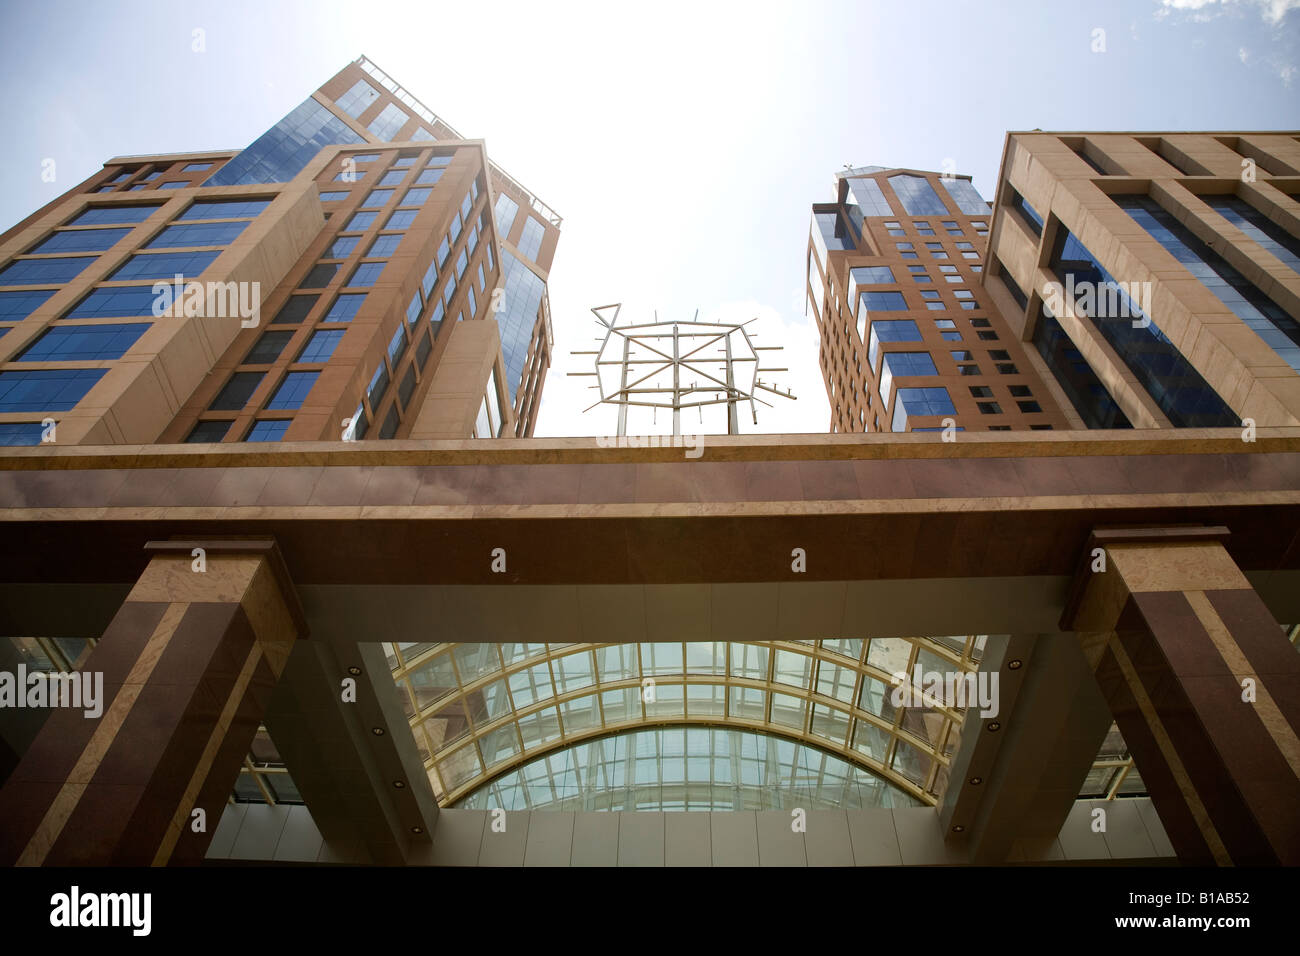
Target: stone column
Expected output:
[188,665]
[1204,685]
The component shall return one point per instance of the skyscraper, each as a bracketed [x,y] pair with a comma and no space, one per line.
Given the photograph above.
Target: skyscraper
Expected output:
[361,270]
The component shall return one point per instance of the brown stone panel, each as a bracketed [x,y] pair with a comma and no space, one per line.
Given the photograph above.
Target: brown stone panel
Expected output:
[1255,631]
[1171,803]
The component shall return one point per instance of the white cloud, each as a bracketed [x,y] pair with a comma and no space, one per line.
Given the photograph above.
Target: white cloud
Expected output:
[1271,11]
[1243,55]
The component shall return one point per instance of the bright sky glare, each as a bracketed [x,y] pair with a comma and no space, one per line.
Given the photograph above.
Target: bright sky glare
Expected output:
[683,143]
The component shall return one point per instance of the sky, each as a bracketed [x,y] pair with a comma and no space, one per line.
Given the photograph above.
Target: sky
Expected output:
[683,143]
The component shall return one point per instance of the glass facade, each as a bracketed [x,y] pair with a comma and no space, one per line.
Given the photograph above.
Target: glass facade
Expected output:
[917,196]
[688,769]
[1075,376]
[1259,227]
[1178,389]
[518,315]
[920,401]
[1261,314]
[966,196]
[869,197]
[281,152]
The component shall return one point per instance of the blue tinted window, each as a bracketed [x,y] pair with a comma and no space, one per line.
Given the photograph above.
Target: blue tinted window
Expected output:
[378,384]
[1178,389]
[444,250]
[917,195]
[293,390]
[36,271]
[830,233]
[530,243]
[430,279]
[46,390]
[195,167]
[18,305]
[366,274]
[382,247]
[78,240]
[397,346]
[360,221]
[896,330]
[1258,227]
[173,185]
[428,177]
[334,196]
[1260,313]
[377,198]
[107,215]
[422,134]
[505,213]
[1080,383]
[20,433]
[871,275]
[389,121]
[413,308]
[884,301]
[920,401]
[164,265]
[268,430]
[281,152]
[124,301]
[341,248]
[439,160]
[355,100]
[416,197]
[321,346]
[518,316]
[1028,214]
[201,234]
[966,196]
[898,364]
[344,307]
[401,219]
[869,197]
[83,343]
[268,348]
[320,275]
[236,392]
[208,432]
[392,177]
[232,209]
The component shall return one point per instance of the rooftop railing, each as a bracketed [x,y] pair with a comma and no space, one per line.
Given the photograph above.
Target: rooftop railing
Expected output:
[429,116]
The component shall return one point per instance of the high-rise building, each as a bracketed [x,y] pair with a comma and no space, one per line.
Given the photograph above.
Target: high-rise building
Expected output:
[361,270]
[1125,281]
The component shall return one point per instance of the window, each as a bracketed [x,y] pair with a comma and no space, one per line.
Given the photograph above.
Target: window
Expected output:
[109,303]
[893,228]
[531,240]
[285,149]
[392,178]
[397,346]
[462,261]
[360,221]
[922,227]
[293,390]
[869,275]
[416,197]
[952,228]
[365,275]
[917,195]
[407,387]
[969,201]
[987,336]
[236,393]
[377,198]
[999,355]
[357,430]
[401,219]
[897,364]
[268,348]
[172,185]
[389,121]
[830,234]
[1007,368]
[195,167]
[208,432]
[963,294]
[505,213]
[110,215]
[402,162]
[78,240]
[36,271]
[334,196]
[203,234]
[321,345]
[378,384]
[46,390]
[83,343]
[355,100]
[1086,393]
[869,196]
[413,309]
[981,323]
[389,428]
[920,401]
[320,275]
[269,430]
[981,391]
[295,310]
[164,265]
[422,134]
[15,306]
[1027,213]
[898,330]
[428,177]
[1029,406]
[440,160]
[224,209]
[884,301]
[382,248]
[341,248]
[345,307]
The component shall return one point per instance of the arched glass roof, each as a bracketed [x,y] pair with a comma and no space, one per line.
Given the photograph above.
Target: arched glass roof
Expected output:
[480,711]
[688,768]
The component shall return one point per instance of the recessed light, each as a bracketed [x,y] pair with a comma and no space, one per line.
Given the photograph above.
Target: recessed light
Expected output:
[399,784]
[377,731]
[995,726]
[976,781]
[1015,665]
[417,829]
[354,670]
